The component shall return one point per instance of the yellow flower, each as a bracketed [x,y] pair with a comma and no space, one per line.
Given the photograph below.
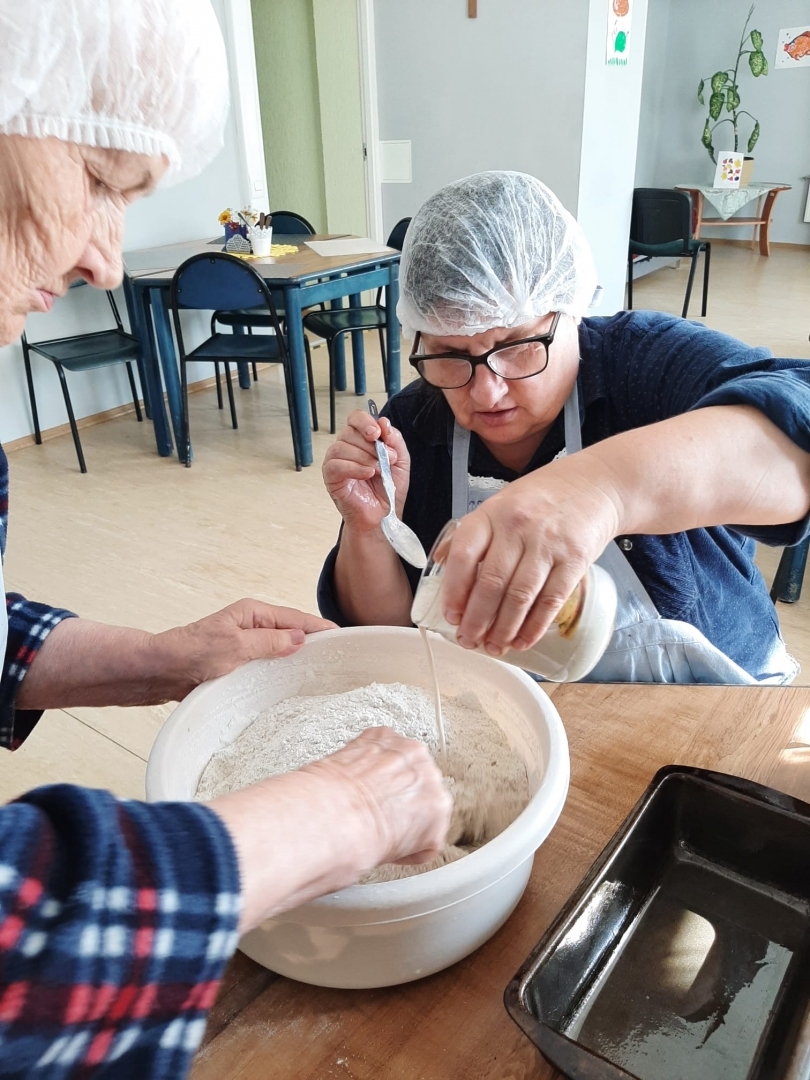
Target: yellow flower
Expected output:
[224,217]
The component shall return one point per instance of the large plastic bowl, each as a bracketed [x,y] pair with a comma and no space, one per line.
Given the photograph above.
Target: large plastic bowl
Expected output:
[396,931]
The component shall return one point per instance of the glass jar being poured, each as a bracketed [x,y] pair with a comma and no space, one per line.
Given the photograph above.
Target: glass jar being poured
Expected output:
[571,646]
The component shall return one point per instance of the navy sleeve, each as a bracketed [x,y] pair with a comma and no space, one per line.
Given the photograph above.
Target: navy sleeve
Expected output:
[657,366]
[117,919]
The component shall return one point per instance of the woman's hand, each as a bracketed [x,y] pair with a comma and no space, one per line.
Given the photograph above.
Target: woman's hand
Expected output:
[351,471]
[297,836]
[88,663]
[515,560]
[215,645]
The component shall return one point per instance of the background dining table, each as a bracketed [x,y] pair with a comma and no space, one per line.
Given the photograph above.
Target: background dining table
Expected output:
[453,1025]
[305,278]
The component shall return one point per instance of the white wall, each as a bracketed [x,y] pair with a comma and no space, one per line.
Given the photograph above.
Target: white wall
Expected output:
[503,91]
[182,212]
[692,39]
[609,140]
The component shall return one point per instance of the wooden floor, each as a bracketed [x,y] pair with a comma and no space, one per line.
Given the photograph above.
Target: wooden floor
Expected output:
[141,541]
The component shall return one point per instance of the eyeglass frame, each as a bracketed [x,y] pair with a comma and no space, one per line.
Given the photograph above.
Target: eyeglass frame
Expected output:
[546,339]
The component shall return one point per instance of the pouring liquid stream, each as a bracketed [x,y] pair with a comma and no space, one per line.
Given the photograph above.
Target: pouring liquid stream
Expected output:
[437,698]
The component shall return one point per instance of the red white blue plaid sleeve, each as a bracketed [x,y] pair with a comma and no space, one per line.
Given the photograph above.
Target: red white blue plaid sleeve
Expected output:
[28,626]
[116,921]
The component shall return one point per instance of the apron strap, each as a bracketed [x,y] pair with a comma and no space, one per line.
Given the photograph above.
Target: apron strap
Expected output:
[461,464]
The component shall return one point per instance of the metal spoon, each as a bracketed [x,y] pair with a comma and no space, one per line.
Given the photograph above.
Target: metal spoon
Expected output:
[402,539]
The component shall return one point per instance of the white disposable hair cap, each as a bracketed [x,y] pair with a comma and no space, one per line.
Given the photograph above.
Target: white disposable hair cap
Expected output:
[148,76]
[495,249]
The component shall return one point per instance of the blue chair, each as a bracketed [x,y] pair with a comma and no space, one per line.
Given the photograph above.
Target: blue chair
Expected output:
[661,227]
[288,223]
[84,352]
[332,325]
[213,281]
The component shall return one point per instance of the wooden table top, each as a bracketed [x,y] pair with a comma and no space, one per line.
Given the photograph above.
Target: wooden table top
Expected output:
[453,1025]
[159,263]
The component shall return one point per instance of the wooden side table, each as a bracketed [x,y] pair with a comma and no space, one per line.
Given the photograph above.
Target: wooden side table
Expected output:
[761,222]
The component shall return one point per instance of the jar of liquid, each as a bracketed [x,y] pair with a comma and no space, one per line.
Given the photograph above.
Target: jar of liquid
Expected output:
[570,647]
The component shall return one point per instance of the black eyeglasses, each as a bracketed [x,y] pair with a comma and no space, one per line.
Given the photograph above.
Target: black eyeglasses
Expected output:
[512,360]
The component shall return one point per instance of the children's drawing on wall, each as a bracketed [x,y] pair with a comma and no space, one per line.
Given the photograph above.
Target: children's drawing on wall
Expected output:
[793,47]
[618,32]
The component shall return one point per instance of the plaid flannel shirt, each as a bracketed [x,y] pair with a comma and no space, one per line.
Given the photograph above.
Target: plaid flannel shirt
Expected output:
[117,918]
[28,626]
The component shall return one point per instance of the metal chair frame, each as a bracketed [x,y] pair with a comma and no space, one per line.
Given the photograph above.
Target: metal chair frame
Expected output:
[41,347]
[690,248]
[266,299]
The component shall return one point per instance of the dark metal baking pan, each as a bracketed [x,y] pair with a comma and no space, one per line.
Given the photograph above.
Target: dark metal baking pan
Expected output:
[685,952]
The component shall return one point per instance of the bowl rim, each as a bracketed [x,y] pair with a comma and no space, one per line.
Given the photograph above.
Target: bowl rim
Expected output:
[456,878]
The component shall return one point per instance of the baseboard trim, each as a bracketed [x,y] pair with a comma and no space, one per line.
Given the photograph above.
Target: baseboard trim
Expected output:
[736,242]
[102,417]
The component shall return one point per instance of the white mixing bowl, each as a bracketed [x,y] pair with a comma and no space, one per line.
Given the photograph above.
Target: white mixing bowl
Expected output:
[381,935]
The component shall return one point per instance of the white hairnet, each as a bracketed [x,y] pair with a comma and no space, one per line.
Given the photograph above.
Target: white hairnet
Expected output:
[495,249]
[148,76]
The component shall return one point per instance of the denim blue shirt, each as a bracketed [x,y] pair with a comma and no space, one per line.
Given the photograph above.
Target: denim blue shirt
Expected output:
[638,368]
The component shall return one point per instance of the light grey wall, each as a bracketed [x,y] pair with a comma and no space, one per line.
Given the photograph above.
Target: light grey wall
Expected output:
[503,91]
[608,155]
[653,91]
[694,39]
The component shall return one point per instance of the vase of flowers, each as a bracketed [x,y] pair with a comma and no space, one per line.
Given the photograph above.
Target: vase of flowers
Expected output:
[237,222]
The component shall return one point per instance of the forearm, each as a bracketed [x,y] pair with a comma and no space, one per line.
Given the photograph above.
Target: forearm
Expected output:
[371,586]
[727,465]
[291,844]
[87,663]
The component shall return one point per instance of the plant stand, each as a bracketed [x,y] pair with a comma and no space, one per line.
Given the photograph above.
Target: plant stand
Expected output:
[761,222]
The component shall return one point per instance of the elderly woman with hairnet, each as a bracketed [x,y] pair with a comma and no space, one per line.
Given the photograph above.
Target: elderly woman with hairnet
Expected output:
[651,445]
[117,918]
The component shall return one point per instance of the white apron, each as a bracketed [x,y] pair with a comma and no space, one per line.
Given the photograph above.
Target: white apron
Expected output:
[644,647]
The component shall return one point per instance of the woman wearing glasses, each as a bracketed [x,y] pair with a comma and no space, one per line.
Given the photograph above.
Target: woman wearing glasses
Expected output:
[695,445]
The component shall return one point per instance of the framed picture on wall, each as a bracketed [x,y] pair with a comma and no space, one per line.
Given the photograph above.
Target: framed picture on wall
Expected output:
[793,47]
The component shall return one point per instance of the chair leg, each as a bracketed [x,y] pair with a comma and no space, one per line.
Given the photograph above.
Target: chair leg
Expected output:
[255,372]
[71,418]
[230,394]
[630,283]
[32,397]
[381,332]
[291,410]
[787,582]
[331,349]
[706,264]
[312,402]
[219,384]
[185,432]
[690,283]
[134,390]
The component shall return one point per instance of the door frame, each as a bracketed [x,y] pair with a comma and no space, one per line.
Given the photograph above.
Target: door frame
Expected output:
[370,117]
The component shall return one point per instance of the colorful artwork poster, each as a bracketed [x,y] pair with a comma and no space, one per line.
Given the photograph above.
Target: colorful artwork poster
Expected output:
[729,169]
[793,47]
[620,13]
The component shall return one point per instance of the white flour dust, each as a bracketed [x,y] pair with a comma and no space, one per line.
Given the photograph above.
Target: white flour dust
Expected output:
[487,779]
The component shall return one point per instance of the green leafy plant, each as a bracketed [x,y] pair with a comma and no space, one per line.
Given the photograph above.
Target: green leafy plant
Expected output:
[725,92]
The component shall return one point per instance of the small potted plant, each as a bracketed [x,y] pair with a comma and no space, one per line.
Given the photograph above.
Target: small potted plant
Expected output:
[725,93]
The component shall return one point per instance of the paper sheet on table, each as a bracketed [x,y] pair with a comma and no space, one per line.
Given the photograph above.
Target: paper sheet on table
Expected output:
[349,245]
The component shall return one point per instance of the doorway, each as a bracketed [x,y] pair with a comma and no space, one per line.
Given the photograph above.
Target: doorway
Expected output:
[312,69]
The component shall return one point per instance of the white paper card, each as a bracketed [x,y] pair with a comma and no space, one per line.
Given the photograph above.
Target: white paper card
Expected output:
[350,245]
[793,47]
[620,15]
[729,169]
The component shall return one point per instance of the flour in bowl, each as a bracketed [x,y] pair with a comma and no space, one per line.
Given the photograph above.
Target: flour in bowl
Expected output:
[486,777]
